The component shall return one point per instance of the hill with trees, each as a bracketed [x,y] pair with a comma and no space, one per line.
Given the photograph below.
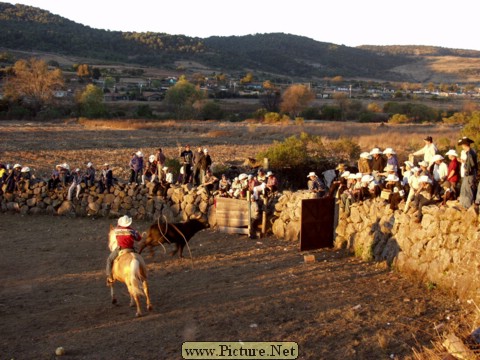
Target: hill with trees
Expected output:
[280,55]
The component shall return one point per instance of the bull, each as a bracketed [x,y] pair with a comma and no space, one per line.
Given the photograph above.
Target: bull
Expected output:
[173,233]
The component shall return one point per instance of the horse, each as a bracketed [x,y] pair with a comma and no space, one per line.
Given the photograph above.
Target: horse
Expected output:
[129,268]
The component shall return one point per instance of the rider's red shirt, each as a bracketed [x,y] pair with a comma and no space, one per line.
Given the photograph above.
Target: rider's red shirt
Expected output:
[126,236]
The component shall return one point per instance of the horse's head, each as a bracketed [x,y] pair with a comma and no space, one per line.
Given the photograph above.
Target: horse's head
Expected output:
[112,239]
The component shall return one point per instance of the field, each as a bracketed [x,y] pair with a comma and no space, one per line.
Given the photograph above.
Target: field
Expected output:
[52,291]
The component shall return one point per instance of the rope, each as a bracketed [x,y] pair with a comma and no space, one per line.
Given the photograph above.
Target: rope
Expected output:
[176,228]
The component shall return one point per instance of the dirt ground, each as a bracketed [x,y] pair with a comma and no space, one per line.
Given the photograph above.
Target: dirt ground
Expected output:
[53,293]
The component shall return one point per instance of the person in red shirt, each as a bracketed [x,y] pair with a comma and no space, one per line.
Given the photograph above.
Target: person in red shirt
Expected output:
[272,184]
[453,172]
[126,237]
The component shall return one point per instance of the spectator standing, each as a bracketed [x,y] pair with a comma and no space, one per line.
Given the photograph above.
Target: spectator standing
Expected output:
[161,159]
[186,159]
[106,179]
[440,173]
[469,171]
[197,159]
[136,167]
[428,151]
[453,176]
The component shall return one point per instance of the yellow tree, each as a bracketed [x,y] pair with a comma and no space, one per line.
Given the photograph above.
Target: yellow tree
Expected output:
[247,79]
[33,84]
[296,98]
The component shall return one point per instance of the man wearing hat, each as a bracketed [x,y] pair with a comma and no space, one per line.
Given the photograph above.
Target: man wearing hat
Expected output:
[440,172]
[126,237]
[315,185]
[468,158]
[428,151]
[89,176]
[378,162]
[365,163]
[186,160]
[136,167]
[453,169]
[106,179]
[272,184]
[76,181]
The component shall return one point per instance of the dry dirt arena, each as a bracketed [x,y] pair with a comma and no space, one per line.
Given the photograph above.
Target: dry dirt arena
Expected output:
[53,293]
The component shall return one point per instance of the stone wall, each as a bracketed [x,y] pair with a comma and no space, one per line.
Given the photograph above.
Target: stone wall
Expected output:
[442,250]
[140,202]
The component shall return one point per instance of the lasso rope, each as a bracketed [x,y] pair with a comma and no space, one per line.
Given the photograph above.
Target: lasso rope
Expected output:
[178,230]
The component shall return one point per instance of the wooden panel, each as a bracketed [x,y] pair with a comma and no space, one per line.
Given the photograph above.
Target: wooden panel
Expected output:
[236,221]
[233,216]
[233,230]
[232,204]
[317,224]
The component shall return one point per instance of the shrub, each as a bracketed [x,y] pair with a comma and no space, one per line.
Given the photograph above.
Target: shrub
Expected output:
[212,111]
[399,119]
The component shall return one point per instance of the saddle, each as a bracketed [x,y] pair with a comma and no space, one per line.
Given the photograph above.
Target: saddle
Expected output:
[124,251]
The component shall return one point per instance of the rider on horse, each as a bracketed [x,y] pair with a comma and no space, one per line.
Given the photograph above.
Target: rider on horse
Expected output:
[125,236]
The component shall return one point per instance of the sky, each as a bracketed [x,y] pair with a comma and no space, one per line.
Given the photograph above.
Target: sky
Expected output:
[342,22]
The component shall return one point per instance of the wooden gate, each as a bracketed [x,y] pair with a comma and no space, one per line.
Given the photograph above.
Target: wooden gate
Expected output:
[233,215]
[317,223]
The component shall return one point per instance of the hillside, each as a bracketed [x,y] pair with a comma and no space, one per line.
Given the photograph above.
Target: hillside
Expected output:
[275,55]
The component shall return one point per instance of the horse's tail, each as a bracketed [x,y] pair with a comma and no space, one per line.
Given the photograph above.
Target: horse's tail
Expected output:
[137,278]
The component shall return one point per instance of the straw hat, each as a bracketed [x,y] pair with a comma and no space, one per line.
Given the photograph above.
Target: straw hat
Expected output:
[375,151]
[151,158]
[311,173]
[124,221]
[389,151]
[437,157]
[367,178]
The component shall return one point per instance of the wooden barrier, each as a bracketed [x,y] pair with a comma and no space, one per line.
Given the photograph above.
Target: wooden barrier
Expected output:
[233,216]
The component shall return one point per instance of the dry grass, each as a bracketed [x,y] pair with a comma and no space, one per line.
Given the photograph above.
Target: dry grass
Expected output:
[42,145]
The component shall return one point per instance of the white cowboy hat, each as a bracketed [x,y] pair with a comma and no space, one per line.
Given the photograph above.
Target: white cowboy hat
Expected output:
[392,177]
[25,169]
[17,166]
[269,173]
[451,152]
[242,176]
[423,163]
[311,173]
[89,164]
[124,221]
[77,170]
[389,167]
[365,155]
[358,176]
[424,179]
[165,168]
[106,164]
[367,178]
[415,169]
[409,164]
[437,157]
[205,151]
[66,166]
[139,154]
[151,158]
[375,151]
[352,176]
[389,151]
[345,174]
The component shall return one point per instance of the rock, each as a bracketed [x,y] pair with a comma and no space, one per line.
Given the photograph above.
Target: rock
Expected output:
[65,208]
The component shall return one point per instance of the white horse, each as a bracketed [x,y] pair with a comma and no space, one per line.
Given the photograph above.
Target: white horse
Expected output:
[129,268]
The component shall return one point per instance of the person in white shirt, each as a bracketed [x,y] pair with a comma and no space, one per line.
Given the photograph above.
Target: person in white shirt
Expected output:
[428,151]
[440,172]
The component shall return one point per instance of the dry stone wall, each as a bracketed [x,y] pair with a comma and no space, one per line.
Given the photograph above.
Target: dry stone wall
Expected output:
[141,202]
[442,250]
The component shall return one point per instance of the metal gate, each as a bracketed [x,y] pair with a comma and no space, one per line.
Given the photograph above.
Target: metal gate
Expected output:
[317,223]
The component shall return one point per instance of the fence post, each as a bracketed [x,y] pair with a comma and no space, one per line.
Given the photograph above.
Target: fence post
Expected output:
[264,216]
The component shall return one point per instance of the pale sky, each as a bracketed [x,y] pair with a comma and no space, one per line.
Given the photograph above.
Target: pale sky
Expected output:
[348,22]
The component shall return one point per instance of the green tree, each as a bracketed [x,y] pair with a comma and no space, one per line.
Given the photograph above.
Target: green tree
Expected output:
[183,99]
[32,84]
[91,102]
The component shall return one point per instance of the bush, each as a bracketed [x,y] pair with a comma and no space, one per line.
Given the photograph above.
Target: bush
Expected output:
[143,111]
[311,113]
[399,119]
[212,111]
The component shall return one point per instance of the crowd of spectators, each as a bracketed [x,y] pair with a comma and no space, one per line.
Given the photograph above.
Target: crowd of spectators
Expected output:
[435,179]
